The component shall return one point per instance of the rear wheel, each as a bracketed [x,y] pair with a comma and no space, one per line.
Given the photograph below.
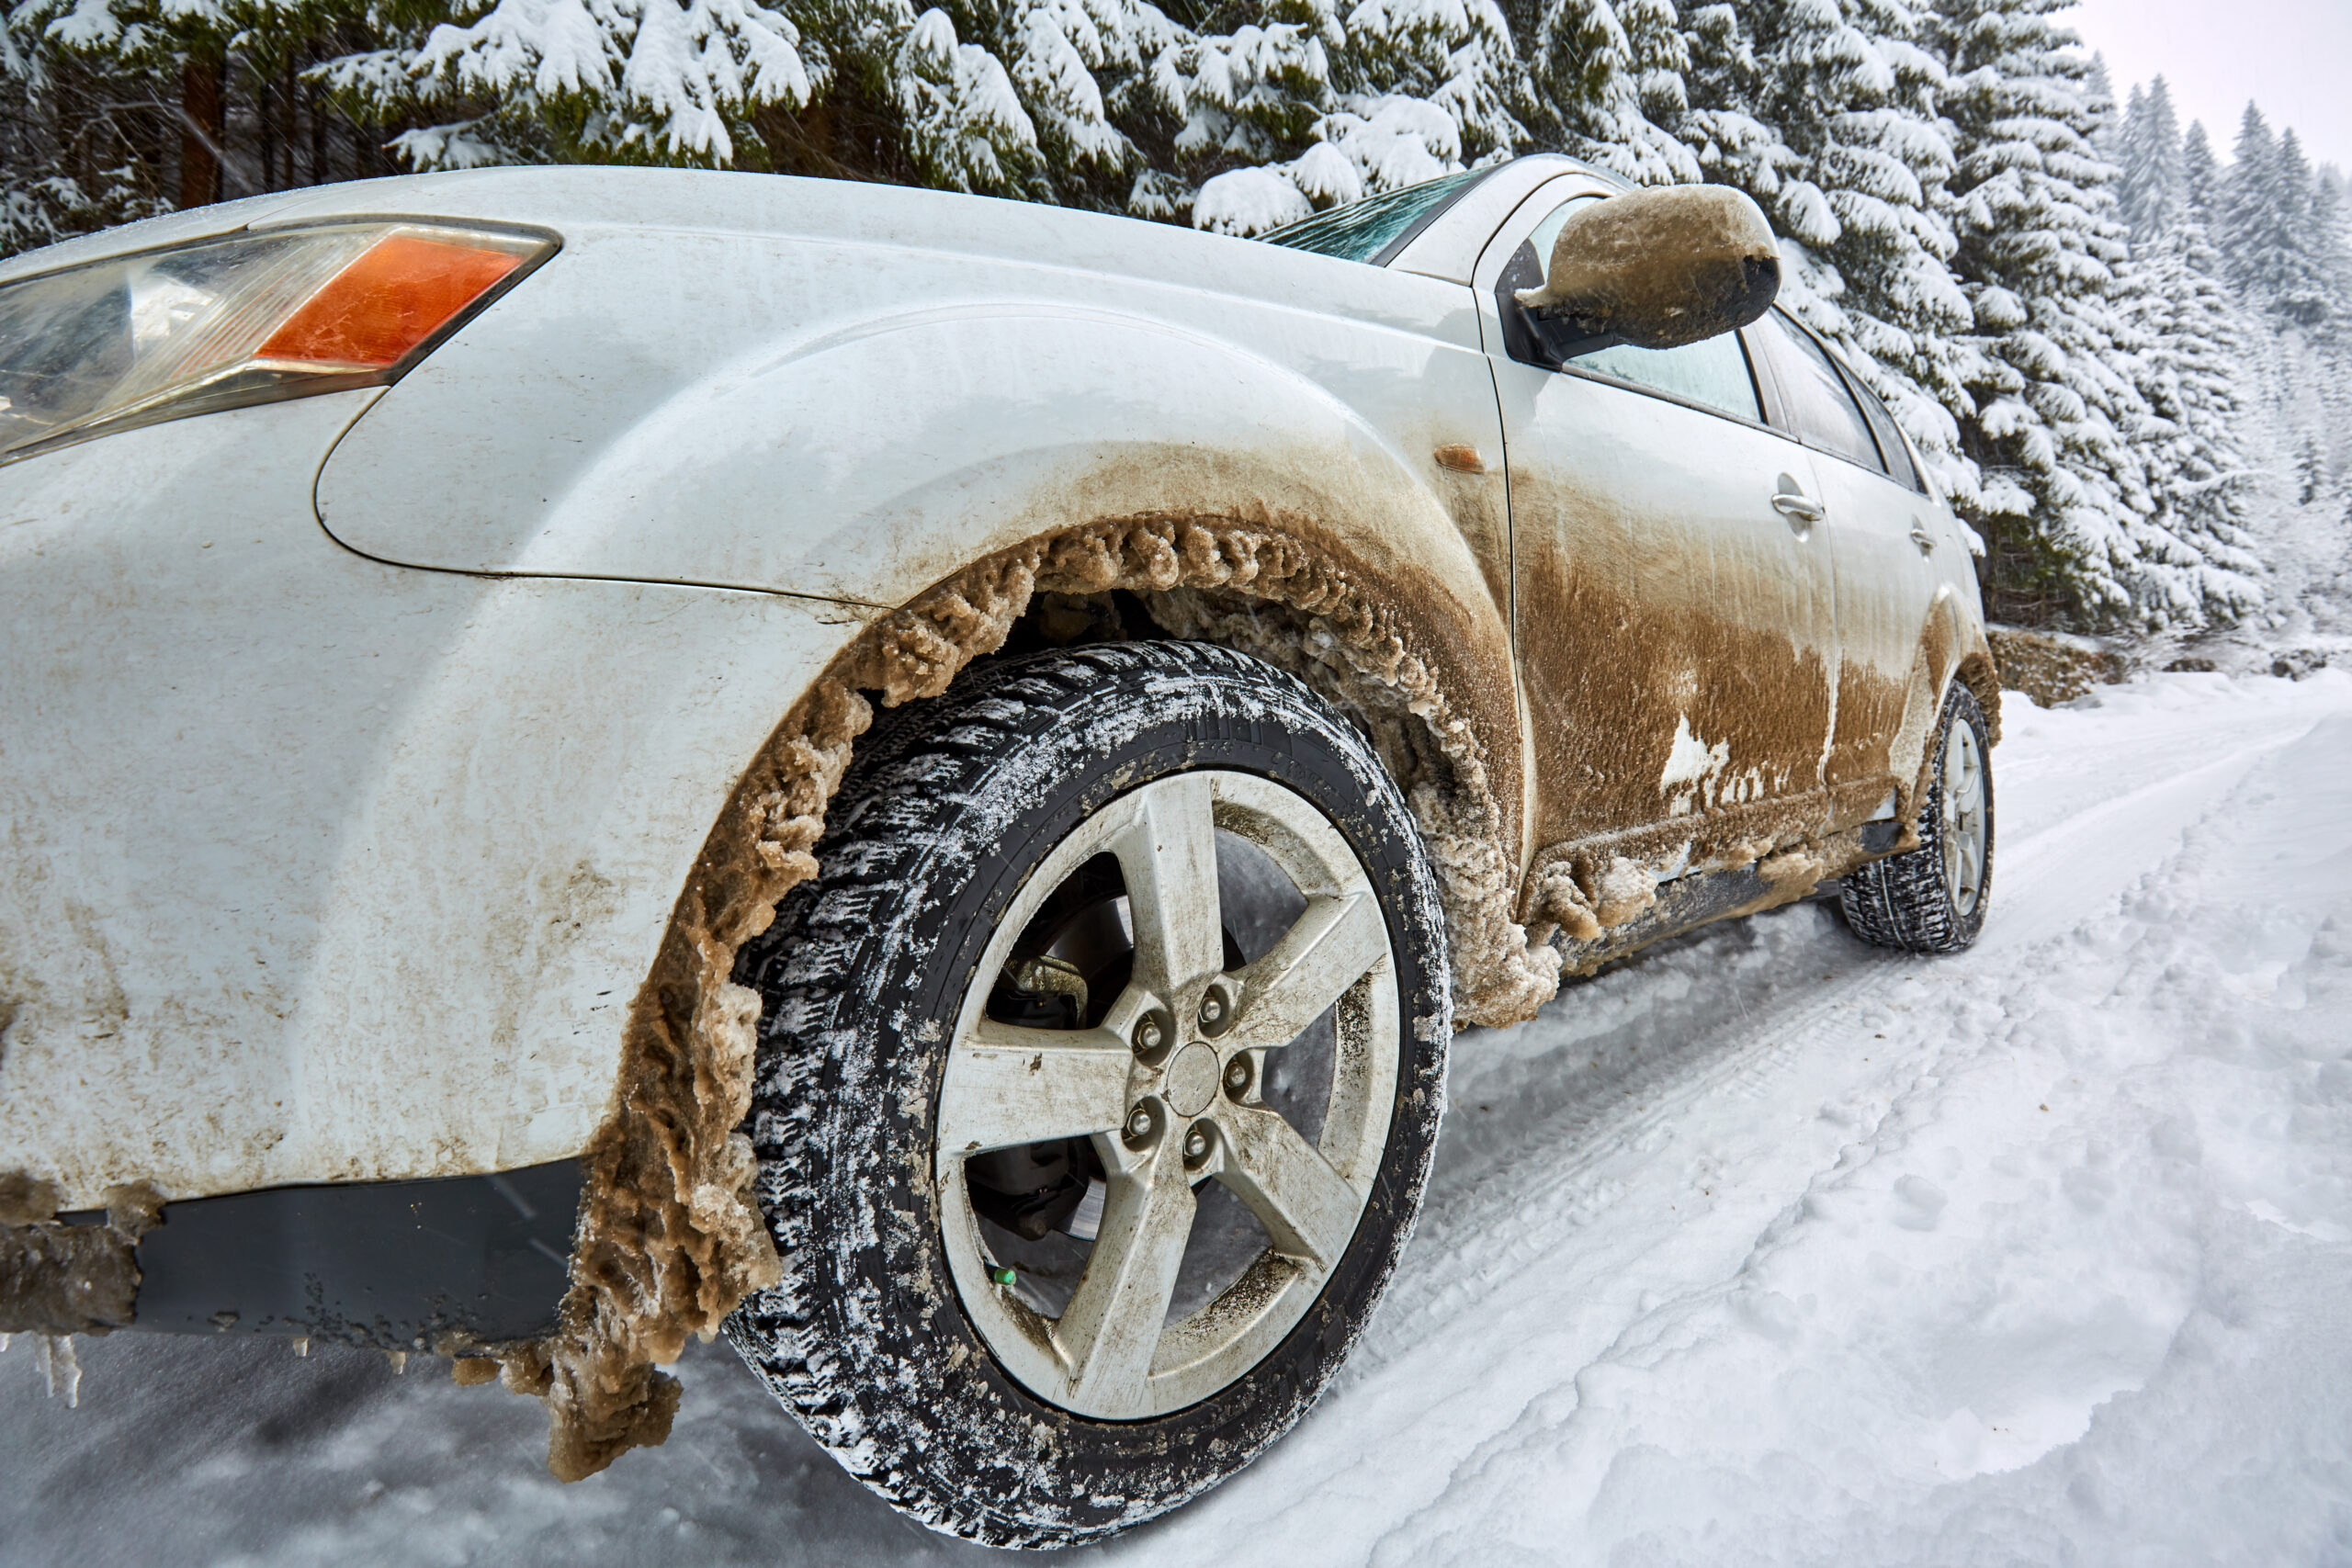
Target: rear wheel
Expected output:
[1100,1074]
[1931,899]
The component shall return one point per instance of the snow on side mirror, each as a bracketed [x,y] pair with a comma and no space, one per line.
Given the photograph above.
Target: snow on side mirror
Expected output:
[1657,268]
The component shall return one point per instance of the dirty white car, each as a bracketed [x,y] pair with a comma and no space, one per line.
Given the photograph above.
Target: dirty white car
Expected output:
[596,755]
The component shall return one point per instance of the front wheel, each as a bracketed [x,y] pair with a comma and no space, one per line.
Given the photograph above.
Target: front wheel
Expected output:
[1932,899]
[1100,1073]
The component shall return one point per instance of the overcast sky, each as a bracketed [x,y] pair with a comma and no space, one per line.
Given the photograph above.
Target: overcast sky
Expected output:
[2293,57]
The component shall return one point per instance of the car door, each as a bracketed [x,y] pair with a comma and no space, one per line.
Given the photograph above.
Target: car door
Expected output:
[1675,630]
[1874,522]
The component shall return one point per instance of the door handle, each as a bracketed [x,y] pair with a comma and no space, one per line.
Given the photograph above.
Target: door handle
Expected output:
[1921,537]
[1797,507]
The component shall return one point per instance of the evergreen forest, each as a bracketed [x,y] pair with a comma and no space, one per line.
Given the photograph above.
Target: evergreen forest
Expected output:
[2123,344]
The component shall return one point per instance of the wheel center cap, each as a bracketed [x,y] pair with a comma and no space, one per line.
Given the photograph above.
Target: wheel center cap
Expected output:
[1190,1083]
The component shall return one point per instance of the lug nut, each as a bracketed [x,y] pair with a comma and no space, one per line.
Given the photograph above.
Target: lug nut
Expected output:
[1139,1124]
[1148,1034]
[1197,1145]
[1212,1010]
[1237,1077]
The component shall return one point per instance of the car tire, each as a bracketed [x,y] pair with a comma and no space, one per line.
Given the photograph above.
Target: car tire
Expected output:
[1932,898]
[956,1394]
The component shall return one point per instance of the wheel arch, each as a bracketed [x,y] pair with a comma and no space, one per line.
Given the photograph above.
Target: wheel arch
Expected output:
[1952,647]
[670,1236]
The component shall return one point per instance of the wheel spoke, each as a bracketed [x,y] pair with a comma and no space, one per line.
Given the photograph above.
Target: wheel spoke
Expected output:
[1307,1207]
[1311,967]
[1108,1332]
[1009,1086]
[1167,857]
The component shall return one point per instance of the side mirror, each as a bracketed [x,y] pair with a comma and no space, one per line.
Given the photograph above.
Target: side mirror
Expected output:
[1657,268]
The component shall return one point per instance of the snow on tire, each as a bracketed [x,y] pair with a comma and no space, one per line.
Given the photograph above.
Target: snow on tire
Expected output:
[1100,1074]
[1932,899]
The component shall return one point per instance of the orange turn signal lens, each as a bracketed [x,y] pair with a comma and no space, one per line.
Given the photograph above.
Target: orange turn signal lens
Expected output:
[398,293]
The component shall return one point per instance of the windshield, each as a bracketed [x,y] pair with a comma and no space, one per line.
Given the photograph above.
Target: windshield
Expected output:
[1373,229]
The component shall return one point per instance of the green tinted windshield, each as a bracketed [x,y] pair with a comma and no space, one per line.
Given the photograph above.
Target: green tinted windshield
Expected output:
[1363,229]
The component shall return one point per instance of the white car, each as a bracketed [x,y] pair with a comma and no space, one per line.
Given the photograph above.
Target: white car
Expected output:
[593,754]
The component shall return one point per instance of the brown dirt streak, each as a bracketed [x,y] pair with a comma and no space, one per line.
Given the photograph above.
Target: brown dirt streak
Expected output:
[668,1238]
[1610,671]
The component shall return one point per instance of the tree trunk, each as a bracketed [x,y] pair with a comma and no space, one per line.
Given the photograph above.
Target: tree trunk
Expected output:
[201,122]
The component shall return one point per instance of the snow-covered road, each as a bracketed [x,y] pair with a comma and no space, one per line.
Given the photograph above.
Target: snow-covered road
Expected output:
[1769,1246]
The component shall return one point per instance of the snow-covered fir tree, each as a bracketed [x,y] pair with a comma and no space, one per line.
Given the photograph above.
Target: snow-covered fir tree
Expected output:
[73,126]
[2052,405]
[1823,111]
[2153,187]
[2195,344]
[2197,561]
[1607,78]
[2084,323]
[1308,109]
[2268,229]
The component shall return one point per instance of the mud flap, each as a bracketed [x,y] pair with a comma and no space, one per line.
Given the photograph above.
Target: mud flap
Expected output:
[453,1263]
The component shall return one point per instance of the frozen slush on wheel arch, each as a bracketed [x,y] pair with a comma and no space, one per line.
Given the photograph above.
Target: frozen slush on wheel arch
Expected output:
[1098,1078]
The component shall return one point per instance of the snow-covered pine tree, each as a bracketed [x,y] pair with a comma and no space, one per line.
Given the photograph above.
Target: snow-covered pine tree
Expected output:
[1823,111]
[2200,182]
[1019,97]
[2267,224]
[2300,293]
[2153,190]
[1305,110]
[2051,407]
[1607,79]
[75,134]
[2198,559]
[115,110]
[570,81]
[2330,244]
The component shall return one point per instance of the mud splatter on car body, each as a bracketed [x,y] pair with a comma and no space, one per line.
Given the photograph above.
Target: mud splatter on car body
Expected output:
[1296,456]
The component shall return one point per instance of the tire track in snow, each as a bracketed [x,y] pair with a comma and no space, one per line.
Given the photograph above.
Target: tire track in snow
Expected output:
[2099,853]
[2121,844]
[1546,1207]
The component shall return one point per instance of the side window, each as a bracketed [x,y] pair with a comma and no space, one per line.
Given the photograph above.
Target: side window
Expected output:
[1713,374]
[1889,439]
[1820,411]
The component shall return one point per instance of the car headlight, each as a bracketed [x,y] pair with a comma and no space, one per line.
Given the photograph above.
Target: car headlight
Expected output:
[246,319]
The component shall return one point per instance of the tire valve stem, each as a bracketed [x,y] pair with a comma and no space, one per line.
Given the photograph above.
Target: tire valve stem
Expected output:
[1004,1277]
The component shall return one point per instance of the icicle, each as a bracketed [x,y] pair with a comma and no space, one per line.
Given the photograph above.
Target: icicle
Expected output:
[301,1344]
[4,1343]
[58,1366]
[398,1359]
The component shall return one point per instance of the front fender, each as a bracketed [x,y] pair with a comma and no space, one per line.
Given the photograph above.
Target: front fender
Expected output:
[868,450]
[321,870]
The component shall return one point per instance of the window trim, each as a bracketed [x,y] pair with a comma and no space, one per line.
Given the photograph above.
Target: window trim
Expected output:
[1786,426]
[1867,400]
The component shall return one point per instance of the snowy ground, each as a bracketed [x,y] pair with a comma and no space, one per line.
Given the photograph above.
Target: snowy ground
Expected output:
[1768,1247]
